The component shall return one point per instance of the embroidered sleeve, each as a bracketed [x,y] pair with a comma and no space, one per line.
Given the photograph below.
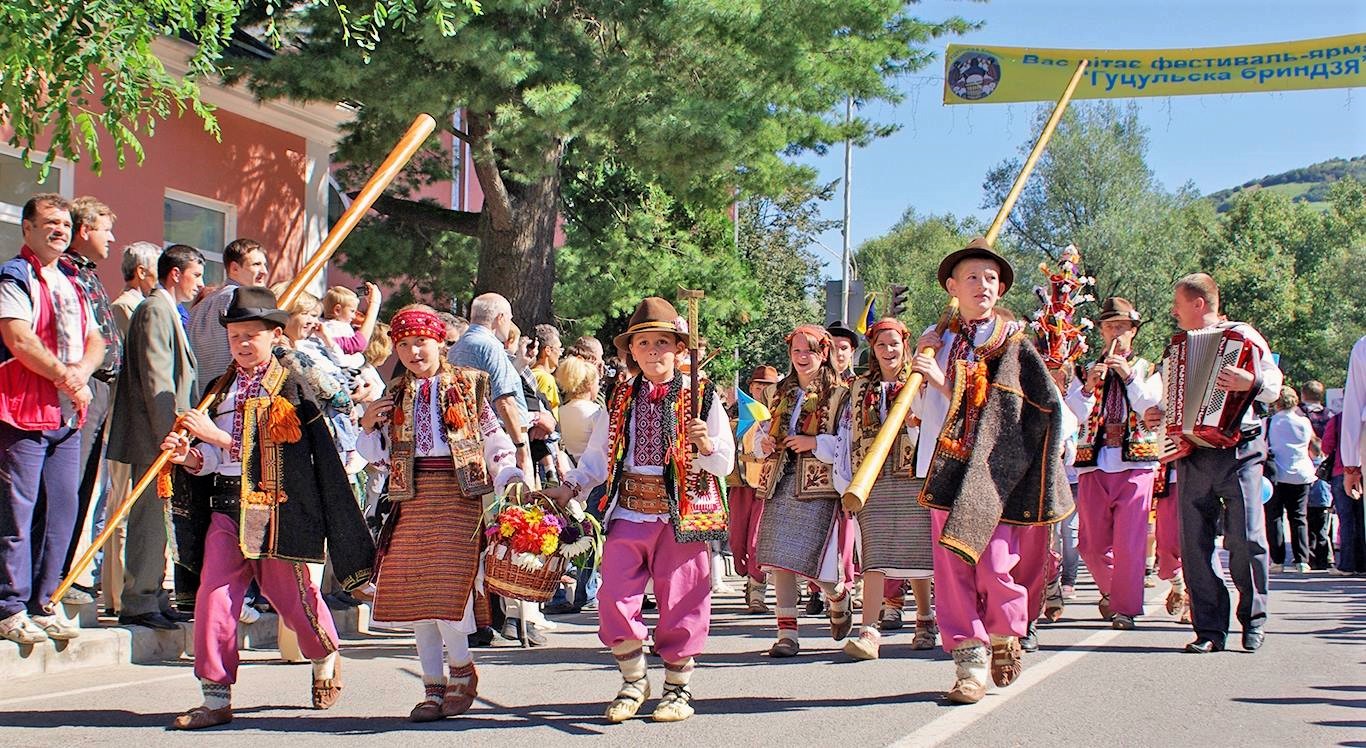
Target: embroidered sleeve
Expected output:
[843,458]
[593,465]
[722,458]
[489,423]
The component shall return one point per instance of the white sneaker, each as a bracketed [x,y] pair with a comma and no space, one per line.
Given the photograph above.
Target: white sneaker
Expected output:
[56,627]
[1302,568]
[249,615]
[20,628]
[1069,592]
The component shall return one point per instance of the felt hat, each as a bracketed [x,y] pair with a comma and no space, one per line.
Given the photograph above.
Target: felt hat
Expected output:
[652,315]
[838,330]
[1117,307]
[253,303]
[764,374]
[978,247]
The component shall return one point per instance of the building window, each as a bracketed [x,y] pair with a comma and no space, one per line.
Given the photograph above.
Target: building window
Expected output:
[207,225]
[17,184]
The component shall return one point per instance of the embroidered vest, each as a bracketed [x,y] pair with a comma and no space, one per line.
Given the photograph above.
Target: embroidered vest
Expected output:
[865,398]
[1139,444]
[697,501]
[815,479]
[463,394]
[28,401]
[971,381]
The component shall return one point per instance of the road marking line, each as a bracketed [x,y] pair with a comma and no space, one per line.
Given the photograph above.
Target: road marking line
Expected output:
[962,717]
[105,687]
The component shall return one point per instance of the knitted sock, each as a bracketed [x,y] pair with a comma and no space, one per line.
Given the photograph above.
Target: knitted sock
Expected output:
[461,674]
[433,689]
[972,658]
[787,623]
[325,668]
[429,654]
[1179,582]
[216,695]
[630,659]
[678,673]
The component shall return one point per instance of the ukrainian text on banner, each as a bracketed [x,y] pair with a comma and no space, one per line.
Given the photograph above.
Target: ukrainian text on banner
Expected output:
[995,75]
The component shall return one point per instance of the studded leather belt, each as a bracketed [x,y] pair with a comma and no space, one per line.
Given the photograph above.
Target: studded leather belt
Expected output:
[644,494]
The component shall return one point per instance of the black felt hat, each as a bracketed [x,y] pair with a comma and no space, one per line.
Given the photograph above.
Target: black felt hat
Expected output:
[252,303]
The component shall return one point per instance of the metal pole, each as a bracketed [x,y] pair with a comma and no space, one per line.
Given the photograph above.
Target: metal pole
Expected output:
[847,259]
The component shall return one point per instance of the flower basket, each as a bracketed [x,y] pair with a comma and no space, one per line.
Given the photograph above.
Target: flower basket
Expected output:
[530,545]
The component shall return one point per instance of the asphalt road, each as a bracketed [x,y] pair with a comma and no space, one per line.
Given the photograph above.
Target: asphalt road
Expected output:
[1088,686]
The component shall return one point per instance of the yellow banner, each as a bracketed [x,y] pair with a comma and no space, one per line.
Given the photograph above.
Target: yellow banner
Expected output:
[997,75]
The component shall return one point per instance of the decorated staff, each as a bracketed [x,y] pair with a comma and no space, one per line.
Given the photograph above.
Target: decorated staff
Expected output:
[1060,337]
[407,147]
[694,299]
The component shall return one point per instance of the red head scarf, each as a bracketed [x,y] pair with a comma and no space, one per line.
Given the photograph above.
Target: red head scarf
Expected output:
[413,322]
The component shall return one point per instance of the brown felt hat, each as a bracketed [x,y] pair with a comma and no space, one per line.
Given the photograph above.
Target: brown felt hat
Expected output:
[764,374]
[1117,307]
[976,248]
[652,315]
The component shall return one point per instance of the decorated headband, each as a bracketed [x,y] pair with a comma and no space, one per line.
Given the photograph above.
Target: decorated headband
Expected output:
[1062,340]
[885,324]
[818,333]
[415,322]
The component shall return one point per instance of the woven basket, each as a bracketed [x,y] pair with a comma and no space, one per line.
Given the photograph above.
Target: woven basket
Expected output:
[510,580]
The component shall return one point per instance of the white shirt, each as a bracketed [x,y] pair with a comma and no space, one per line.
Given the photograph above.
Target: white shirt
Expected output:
[1288,439]
[932,405]
[595,462]
[499,454]
[1144,391]
[1354,406]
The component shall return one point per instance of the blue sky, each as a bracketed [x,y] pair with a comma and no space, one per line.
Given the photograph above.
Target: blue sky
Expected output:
[937,161]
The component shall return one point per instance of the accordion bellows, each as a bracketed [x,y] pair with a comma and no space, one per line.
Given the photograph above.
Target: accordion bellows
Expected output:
[1199,413]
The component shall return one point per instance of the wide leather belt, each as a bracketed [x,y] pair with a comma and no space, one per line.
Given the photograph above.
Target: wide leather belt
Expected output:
[644,494]
[226,497]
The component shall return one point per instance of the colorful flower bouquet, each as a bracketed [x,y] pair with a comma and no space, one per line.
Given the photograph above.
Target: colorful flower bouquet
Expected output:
[532,543]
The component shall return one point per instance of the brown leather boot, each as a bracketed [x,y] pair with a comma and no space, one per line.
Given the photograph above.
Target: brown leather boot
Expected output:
[460,697]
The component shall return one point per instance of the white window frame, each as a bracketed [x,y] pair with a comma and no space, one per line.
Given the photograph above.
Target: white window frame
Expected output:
[66,181]
[228,210]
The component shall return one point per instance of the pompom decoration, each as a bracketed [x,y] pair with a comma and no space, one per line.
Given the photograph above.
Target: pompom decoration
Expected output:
[1059,336]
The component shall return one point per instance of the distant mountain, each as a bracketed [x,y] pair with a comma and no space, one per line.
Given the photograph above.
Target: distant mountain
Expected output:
[1309,184]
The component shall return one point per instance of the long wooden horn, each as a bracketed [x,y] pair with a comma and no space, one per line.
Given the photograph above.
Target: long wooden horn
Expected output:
[399,157]
[868,471]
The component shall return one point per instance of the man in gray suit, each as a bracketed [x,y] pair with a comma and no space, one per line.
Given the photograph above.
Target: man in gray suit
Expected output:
[157,383]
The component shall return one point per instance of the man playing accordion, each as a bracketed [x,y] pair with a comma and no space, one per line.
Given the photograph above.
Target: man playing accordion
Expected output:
[1221,471]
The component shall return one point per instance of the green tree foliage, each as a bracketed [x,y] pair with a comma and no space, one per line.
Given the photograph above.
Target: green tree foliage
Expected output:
[773,235]
[1093,188]
[82,70]
[1293,273]
[909,255]
[695,98]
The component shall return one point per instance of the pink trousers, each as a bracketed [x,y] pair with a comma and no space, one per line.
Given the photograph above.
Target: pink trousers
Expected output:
[1168,534]
[1112,533]
[636,553]
[222,585]
[743,528]
[976,601]
[1036,561]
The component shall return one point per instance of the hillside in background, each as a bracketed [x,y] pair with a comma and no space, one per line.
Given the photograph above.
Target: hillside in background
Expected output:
[1309,184]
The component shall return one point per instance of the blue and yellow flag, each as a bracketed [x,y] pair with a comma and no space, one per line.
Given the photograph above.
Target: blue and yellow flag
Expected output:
[869,316]
[751,411]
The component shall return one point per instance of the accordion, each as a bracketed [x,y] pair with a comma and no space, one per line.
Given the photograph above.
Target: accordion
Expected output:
[1198,412]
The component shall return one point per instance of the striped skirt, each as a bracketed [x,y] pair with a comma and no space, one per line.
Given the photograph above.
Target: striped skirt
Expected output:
[794,534]
[429,561]
[894,529]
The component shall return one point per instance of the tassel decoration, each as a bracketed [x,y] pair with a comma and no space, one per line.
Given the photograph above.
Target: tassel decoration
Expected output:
[284,422]
[164,485]
[454,418]
[979,385]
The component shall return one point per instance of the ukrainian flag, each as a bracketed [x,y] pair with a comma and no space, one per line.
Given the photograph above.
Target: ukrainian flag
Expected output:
[869,316]
[751,411]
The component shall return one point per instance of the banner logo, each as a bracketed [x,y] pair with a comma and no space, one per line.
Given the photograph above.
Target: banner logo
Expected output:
[974,75]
